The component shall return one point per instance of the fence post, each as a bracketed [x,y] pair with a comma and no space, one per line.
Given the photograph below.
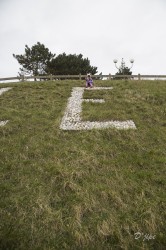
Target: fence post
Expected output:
[139,77]
[109,76]
[80,76]
[22,78]
[51,77]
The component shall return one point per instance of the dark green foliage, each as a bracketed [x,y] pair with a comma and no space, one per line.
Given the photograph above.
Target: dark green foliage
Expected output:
[35,59]
[124,71]
[70,65]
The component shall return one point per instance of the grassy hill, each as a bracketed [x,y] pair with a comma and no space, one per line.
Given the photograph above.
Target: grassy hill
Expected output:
[97,189]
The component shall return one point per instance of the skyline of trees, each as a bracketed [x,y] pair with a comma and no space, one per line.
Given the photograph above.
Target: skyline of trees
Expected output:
[38,60]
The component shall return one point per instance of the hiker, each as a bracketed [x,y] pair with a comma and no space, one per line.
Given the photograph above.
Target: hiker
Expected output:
[89,81]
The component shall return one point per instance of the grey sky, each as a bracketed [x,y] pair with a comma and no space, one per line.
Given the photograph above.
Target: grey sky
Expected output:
[99,29]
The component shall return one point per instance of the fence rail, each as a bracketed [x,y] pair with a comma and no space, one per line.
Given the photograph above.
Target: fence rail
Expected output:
[80,77]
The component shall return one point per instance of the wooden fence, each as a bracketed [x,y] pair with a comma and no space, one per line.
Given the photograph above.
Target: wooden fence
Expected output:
[81,77]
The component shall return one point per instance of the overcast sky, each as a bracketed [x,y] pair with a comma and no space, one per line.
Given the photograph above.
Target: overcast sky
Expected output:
[101,30]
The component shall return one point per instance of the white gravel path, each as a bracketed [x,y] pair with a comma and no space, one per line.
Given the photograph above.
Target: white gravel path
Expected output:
[72,117]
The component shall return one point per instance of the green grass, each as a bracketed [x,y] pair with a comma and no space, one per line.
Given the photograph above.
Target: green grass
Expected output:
[82,189]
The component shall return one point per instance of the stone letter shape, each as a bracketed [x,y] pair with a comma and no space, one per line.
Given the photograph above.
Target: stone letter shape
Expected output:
[72,118]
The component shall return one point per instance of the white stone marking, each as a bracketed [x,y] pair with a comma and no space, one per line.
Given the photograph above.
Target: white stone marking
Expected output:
[3,123]
[94,100]
[72,117]
[2,90]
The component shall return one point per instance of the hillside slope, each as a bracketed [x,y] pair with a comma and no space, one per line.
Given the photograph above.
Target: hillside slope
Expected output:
[95,189]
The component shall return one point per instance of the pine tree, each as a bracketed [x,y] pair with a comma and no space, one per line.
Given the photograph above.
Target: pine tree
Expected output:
[35,59]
